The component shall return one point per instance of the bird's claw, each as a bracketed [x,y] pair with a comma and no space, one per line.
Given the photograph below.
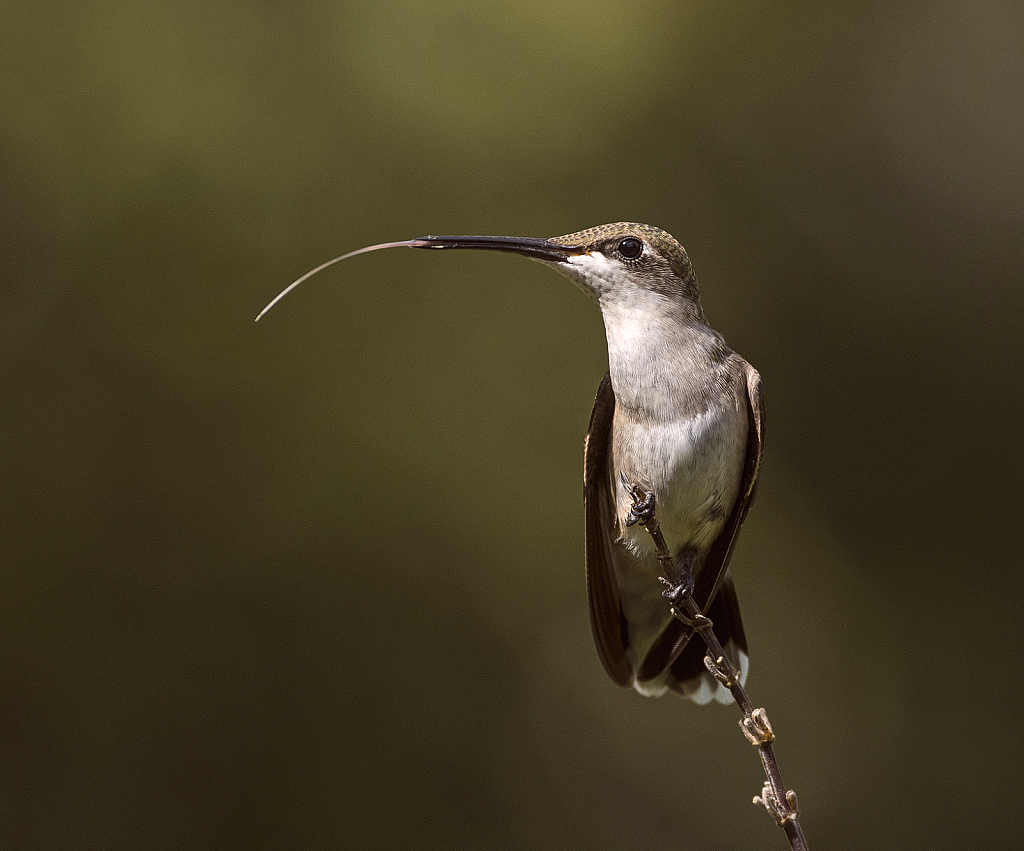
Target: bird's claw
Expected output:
[676,592]
[642,510]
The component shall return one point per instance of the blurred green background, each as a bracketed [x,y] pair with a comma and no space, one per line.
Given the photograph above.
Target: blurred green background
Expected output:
[318,582]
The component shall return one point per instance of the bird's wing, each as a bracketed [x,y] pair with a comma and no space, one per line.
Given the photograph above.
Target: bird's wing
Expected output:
[718,557]
[606,617]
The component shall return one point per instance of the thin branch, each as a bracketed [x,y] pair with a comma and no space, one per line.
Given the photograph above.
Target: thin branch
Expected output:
[780,803]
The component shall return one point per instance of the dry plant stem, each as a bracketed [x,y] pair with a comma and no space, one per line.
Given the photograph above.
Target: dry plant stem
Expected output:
[780,803]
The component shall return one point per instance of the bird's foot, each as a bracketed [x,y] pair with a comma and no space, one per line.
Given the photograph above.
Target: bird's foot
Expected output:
[681,582]
[677,592]
[642,510]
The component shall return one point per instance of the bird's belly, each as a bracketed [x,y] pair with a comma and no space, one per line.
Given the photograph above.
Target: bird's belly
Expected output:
[693,467]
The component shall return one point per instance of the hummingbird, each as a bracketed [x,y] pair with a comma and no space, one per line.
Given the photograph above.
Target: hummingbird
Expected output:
[678,425]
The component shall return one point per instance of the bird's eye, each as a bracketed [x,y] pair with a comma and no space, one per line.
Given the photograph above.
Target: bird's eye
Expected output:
[630,247]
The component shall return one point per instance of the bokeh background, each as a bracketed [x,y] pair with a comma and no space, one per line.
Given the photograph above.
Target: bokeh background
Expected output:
[318,582]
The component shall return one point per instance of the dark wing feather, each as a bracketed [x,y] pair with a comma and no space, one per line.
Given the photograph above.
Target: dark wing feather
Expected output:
[717,560]
[606,618]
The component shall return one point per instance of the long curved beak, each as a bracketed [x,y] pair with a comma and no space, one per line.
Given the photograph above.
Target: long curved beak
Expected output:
[536,249]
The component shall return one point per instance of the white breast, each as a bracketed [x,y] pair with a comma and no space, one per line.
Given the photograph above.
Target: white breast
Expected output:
[693,466]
